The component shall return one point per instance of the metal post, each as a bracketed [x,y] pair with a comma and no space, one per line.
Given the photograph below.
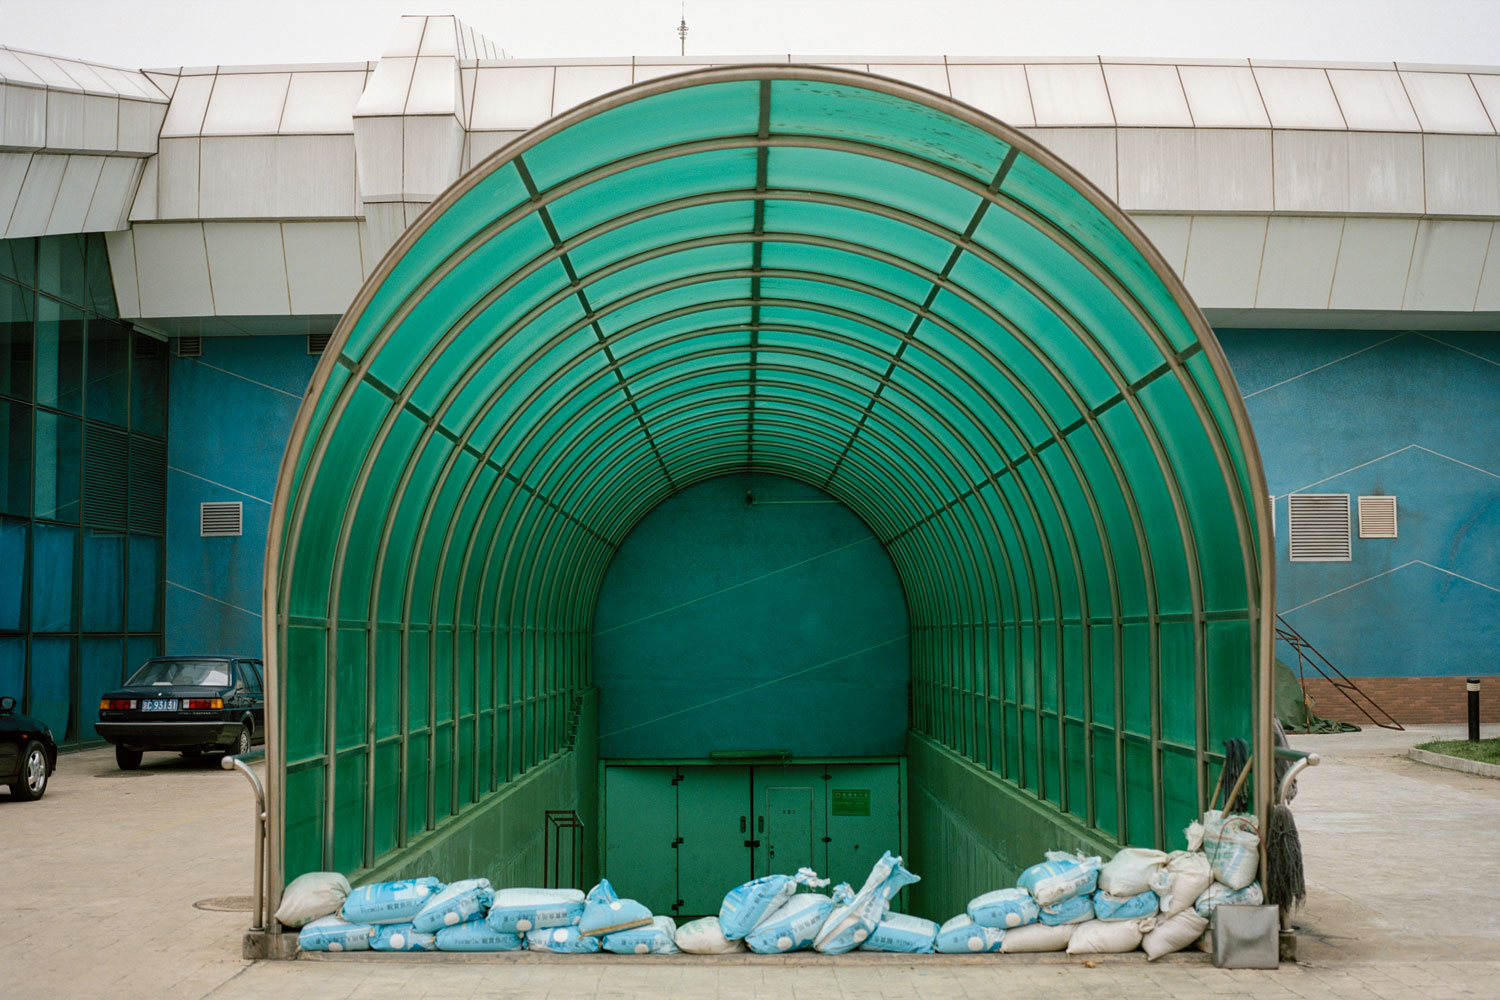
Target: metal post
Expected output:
[1473,709]
[257,913]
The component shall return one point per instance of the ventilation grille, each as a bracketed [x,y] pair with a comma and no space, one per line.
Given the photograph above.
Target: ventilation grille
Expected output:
[148,485]
[1318,527]
[147,347]
[317,343]
[190,347]
[105,477]
[1377,517]
[220,519]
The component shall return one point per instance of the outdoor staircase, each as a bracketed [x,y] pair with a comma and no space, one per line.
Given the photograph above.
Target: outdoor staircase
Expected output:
[1308,655]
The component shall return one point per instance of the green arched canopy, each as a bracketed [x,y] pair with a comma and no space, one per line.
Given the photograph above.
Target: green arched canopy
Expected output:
[820,274]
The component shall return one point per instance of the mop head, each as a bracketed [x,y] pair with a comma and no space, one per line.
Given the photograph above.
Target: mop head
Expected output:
[1284,882]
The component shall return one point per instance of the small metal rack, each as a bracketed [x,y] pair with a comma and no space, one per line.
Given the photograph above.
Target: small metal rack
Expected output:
[561,825]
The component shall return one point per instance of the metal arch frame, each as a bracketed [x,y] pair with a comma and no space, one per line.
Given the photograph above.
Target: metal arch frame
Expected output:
[1215,359]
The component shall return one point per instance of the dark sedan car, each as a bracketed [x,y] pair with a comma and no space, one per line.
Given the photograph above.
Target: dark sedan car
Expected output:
[28,754]
[188,704]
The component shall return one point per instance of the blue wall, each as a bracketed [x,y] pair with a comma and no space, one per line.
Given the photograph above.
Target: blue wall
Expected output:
[1412,415]
[726,626]
[231,413]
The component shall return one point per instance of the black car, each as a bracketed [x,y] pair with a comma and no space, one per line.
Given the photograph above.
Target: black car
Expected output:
[190,704]
[28,754]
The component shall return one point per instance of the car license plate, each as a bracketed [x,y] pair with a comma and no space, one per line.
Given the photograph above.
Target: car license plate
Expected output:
[159,705]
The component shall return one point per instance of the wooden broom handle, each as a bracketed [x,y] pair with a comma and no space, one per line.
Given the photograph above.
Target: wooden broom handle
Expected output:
[1239,783]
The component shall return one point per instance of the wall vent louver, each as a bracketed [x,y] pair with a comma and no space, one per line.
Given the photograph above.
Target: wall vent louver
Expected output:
[1377,517]
[1318,527]
[221,519]
[317,343]
[146,347]
[190,347]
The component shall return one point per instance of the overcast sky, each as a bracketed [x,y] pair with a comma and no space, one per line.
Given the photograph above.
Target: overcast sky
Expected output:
[150,33]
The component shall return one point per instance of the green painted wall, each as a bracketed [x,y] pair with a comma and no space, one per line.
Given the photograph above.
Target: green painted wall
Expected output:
[503,838]
[725,625]
[971,831]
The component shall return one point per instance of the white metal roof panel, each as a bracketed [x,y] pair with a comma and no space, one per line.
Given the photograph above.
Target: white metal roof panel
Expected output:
[246,103]
[997,90]
[574,85]
[322,102]
[1447,102]
[1297,97]
[1069,94]
[189,102]
[1147,96]
[1223,97]
[1373,100]
[512,98]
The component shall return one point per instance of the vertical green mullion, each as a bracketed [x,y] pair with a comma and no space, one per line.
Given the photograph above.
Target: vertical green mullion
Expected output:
[1122,827]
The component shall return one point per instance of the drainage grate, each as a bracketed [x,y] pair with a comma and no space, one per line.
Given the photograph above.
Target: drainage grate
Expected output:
[224,904]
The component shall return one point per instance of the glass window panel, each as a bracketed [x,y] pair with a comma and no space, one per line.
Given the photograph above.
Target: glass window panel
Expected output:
[49,695]
[13,574]
[59,355]
[15,458]
[304,820]
[58,459]
[103,581]
[349,813]
[60,267]
[17,339]
[52,578]
[107,393]
[148,386]
[101,670]
[13,667]
[145,589]
[18,260]
[101,288]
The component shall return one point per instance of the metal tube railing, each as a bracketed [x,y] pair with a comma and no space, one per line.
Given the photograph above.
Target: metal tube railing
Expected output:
[257,897]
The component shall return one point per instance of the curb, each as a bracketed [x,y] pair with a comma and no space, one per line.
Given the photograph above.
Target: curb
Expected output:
[1455,763]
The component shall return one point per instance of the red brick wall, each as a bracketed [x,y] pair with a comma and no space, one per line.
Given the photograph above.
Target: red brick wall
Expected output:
[1411,700]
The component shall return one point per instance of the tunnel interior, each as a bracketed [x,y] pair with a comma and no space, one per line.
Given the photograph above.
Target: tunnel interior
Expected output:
[916,328]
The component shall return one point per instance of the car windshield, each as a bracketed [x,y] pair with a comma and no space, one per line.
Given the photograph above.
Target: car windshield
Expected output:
[206,673]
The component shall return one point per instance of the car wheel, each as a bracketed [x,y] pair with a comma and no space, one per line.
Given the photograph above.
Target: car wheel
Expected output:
[128,760]
[241,744]
[33,783]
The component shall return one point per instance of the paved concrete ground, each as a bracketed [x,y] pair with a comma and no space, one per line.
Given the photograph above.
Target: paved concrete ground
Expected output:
[98,883]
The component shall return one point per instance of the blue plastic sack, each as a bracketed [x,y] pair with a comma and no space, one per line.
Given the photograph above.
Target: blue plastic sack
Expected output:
[516,911]
[1060,877]
[563,940]
[1108,906]
[475,935]
[1003,908]
[1073,910]
[794,925]
[608,916]
[902,933]
[656,938]
[853,920]
[332,933]
[400,937]
[389,902]
[746,905]
[459,901]
[961,936]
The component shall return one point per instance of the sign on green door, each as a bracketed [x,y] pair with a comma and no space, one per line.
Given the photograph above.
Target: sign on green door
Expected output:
[851,801]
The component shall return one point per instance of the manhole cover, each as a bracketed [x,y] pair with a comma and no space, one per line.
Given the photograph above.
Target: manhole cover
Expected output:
[226,904]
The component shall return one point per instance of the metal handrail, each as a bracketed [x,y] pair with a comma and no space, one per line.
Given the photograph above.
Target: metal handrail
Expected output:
[1303,760]
[257,908]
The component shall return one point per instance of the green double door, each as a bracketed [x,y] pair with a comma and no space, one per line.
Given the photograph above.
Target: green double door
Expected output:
[678,837]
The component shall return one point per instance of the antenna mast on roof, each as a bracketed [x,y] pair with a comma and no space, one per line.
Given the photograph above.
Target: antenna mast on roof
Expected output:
[682,28]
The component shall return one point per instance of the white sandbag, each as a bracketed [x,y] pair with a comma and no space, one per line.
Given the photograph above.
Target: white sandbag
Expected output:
[561,940]
[1108,937]
[1129,872]
[310,896]
[793,926]
[1073,910]
[1220,894]
[389,902]
[655,938]
[961,935]
[1185,877]
[517,911]
[853,920]
[333,933]
[901,932]
[704,936]
[459,901]
[1037,937]
[1060,877]
[1173,934]
[1232,844]
[1003,908]
[746,906]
